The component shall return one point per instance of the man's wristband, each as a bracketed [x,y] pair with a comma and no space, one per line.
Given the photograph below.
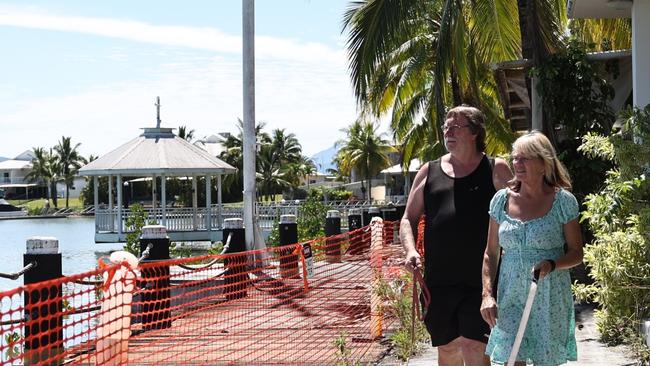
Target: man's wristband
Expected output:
[552,262]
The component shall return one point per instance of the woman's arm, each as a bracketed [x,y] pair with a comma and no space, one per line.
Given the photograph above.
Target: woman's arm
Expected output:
[490,263]
[572,257]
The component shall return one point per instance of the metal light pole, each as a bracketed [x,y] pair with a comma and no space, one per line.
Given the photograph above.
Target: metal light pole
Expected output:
[248,50]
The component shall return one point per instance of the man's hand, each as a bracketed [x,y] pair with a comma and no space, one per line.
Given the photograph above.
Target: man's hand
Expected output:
[489,310]
[412,260]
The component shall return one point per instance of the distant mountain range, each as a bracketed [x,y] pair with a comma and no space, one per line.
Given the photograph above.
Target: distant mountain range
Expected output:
[2,158]
[323,160]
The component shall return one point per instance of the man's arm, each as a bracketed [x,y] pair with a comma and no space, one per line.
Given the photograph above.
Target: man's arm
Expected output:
[501,174]
[409,223]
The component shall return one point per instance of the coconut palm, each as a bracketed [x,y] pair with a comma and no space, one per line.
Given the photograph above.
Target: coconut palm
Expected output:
[185,134]
[364,150]
[45,168]
[69,161]
[285,147]
[416,58]
[233,154]
[603,34]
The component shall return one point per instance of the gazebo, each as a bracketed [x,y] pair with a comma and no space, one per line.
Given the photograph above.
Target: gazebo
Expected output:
[159,154]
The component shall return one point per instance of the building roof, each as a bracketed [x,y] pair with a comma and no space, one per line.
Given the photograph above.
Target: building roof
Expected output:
[599,9]
[414,166]
[157,151]
[15,164]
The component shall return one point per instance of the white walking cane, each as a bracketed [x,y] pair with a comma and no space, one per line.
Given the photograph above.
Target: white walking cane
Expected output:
[524,319]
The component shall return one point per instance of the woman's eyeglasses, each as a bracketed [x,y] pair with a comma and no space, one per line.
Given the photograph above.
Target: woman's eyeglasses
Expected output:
[521,159]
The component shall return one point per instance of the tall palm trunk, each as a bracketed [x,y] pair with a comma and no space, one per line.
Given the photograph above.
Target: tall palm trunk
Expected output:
[53,194]
[533,48]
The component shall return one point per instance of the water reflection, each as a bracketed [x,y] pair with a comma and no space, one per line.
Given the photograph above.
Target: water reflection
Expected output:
[76,244]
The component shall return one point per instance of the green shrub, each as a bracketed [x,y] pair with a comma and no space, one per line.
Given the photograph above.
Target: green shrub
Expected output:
[619,216]
[396,291]
[134,223]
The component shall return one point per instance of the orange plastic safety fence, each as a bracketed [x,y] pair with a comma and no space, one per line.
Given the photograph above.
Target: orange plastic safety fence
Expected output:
[305,303]
[419,242]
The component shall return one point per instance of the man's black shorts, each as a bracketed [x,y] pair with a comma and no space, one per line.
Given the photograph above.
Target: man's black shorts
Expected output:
[455,311]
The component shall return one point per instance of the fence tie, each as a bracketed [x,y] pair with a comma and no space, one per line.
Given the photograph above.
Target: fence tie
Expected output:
[16,275]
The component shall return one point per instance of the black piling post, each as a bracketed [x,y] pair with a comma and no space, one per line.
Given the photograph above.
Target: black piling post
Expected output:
[332,228]
[288,228]
[156,297]
[354,219]
[43,306]
[236,277]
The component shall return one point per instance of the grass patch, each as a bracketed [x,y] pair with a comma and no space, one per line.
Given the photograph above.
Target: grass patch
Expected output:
[37,204]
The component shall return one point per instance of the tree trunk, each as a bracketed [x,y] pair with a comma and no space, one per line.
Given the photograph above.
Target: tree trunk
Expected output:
[534,49]
[53,194]
[67,195]
[369,190]
[455,87]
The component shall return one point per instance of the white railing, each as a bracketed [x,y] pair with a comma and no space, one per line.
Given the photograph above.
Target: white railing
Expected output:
[189,219]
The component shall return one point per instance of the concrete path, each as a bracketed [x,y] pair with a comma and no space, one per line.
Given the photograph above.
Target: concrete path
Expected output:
[590,351]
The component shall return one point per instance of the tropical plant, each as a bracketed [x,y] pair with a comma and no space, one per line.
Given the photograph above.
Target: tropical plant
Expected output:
[45,168]
[279,163]
[603,34]
[134,222]
[576,98]
[364,150]
[619,216]
[185,134]
[232,184]
[271,178]
[69,161]
[416,58]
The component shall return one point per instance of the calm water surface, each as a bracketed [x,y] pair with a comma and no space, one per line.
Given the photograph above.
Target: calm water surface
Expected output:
[76,244]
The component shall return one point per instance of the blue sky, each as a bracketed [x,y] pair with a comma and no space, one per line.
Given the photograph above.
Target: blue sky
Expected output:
[92,70]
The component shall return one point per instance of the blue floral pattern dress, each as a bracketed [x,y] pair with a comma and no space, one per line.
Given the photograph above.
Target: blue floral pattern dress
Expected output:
[549,338]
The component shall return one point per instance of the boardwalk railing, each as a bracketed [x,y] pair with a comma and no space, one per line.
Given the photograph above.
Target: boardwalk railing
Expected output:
[305,303]
[190,219]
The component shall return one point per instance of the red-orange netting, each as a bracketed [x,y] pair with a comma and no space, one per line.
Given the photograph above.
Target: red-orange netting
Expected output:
[306,303]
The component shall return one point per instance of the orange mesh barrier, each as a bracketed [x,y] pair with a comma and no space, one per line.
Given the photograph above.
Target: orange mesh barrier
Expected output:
[273,306]
[419,241]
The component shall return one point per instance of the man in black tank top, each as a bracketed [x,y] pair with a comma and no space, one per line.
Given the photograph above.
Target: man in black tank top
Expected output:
[454,194]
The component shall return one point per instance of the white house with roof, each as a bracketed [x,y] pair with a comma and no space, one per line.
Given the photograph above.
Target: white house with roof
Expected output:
[13,179]
[13,173]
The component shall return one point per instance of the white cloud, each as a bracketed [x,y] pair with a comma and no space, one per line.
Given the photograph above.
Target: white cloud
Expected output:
[203,38]
[312,103]
[303,87]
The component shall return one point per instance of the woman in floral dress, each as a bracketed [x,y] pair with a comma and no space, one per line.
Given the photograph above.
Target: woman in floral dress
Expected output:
[535,222]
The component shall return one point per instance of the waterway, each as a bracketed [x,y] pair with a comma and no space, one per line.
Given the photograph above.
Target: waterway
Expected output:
[76,244]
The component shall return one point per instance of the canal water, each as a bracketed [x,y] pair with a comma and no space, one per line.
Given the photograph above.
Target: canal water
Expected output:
[76,244]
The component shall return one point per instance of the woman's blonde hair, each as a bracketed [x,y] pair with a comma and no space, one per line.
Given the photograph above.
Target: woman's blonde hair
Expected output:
[535,145]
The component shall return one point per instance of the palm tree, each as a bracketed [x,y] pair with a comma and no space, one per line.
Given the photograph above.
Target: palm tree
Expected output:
[363,150]
[417,57]
[185,134]
[45,168]
[69,162]
[232,184]
[285,147]
[272,177]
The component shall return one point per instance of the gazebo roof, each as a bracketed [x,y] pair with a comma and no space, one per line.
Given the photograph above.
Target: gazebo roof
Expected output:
[157,151]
